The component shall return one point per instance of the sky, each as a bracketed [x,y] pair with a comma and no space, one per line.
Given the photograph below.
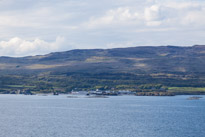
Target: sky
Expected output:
[36,27]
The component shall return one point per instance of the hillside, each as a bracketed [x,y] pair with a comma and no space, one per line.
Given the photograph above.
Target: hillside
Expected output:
[120,68]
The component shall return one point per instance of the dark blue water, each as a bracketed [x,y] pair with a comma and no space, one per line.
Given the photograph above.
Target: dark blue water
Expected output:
[125,116]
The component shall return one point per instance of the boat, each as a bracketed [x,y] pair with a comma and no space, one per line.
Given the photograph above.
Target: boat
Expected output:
[55,93]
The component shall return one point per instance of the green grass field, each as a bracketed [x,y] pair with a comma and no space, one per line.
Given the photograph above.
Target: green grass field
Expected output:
[20,86]
[186,89]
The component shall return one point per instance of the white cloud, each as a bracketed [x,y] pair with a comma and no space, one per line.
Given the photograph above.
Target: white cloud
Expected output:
[194,18]
[19,47]
[123,44]
[91,24]
[126,16]
[152,13]
[44,17]
[119,16]
[162,14]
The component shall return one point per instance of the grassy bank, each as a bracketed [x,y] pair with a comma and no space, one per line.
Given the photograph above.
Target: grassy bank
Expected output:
[187,90]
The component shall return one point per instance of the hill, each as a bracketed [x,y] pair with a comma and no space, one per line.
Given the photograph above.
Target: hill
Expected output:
[120,69]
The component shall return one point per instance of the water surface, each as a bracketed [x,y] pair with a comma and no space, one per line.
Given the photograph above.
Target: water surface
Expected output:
[124,116]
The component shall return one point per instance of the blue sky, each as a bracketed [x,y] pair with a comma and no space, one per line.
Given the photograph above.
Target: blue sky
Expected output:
[42,26]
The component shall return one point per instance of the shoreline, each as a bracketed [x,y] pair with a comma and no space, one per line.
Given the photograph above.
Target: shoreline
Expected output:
[80,95]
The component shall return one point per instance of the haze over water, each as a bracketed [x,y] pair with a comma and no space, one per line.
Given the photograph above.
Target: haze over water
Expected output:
[124,116]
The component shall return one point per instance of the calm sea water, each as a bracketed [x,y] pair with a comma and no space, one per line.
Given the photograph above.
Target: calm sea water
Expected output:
[124,116]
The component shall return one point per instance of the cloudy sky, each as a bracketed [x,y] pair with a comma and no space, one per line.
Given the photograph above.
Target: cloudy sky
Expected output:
[31,27]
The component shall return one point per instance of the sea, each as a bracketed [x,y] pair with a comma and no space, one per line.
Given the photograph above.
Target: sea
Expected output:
[117,116]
